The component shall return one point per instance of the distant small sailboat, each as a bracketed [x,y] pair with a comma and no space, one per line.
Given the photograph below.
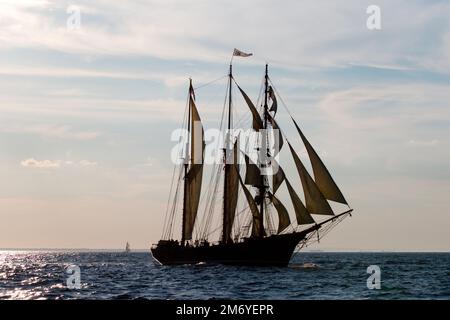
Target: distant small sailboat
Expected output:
[127,248]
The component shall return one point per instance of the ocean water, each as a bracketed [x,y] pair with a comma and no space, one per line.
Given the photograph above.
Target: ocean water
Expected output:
[318,275]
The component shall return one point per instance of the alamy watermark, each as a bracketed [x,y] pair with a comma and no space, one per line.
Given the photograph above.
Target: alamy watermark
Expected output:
[219,147]
[73,22]
[374,280]
[73,281]
[374,20]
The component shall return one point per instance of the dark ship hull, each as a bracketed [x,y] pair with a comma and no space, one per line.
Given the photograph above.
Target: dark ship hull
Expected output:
[275,250]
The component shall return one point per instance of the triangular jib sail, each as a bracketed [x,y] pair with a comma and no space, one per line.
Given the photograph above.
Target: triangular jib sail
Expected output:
[322,177]
[315,201]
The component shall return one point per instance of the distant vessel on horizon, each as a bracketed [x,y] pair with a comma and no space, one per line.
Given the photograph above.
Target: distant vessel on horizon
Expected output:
[127,248]
[261,231]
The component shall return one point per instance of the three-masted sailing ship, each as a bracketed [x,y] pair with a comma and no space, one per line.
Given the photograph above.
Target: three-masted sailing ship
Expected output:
[262,232]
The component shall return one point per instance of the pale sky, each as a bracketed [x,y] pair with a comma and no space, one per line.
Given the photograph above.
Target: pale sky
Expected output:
[86,115]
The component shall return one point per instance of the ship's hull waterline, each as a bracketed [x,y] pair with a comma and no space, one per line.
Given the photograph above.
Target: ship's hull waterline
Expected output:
[274,250]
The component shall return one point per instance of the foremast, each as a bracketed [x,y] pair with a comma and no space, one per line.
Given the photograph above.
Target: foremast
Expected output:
[227,167]
[193,168]
[263,157]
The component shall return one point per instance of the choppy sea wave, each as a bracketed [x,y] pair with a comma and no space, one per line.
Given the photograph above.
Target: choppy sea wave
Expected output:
[318,275]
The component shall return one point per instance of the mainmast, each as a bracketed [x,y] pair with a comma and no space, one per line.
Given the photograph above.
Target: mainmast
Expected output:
[263,156]
[186,167]
[225,236]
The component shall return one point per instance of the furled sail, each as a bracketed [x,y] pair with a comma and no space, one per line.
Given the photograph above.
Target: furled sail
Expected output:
[257,122]
[278,136]
[283,216]
[272,97]
[322,176]
[195,173]
[253,208]
[231,194]
[252,173]
[315,201]
[302,215]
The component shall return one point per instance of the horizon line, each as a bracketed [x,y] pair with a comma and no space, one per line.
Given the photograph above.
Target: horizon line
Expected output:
[326,250]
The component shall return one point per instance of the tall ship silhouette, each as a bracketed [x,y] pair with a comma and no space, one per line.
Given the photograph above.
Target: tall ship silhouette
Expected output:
[248,202]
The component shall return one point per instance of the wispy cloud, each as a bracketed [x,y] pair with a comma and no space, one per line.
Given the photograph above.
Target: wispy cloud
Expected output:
[55,131]
[152,110]
[168,79]
[153,29]
[376,107]
[423,143]
[87,163]
[380,66]
[33,163]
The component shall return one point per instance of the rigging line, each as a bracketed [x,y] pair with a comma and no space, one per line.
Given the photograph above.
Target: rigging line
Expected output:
[246,115]
[174,206]
[217,229]
[212,202]
[178,184]
[204,194]
[211,193]
[215,178]
[210,82]
[279,96]
[212,211]
[261,90]
[177,203]
[168,201]
[224,108]
[311,238]
[207,201]
[269,216]
[207,194]
[182,154]
[249,225]
[244,119]
[212,186]
[173,174]
[168,220]
[218,169]
[237,223]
